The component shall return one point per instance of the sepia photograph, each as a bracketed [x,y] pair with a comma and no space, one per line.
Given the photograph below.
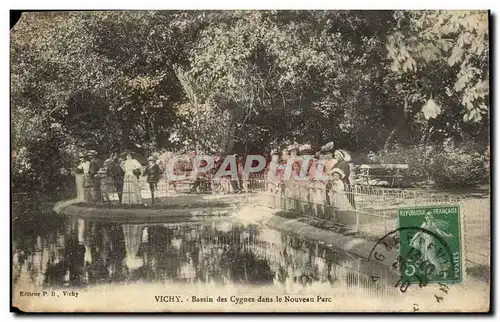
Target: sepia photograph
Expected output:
[250,161]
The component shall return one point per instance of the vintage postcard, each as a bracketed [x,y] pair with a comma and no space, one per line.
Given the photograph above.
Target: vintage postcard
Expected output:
[250,161]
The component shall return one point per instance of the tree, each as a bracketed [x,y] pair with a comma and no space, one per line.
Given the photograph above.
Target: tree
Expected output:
[440,61]
[244,81]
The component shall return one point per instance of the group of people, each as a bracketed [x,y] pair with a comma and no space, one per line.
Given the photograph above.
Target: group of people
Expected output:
[120,173]
[330,187]
[204,181]
[96,180]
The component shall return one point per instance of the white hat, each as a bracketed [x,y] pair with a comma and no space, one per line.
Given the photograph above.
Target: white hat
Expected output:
[328,147]
[293,147]
[346,156]
[305,148]
[339,171]
[92,152]
[339,152]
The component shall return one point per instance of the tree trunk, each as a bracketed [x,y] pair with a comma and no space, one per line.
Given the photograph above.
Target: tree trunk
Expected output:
[126,128]
[402,123]
[390,139]
[156,133]
[147,133]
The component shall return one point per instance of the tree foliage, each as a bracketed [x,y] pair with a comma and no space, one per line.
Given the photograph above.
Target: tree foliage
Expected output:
[446,54]
[242,81]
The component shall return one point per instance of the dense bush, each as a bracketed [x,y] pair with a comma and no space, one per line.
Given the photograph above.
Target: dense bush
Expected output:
[38,163]
[235,81]
[446,165]
[417,158]
[459,165]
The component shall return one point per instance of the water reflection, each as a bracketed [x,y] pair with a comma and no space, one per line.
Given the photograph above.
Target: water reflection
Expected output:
[78,253]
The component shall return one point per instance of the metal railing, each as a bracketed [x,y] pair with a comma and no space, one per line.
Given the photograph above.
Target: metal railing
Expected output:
[137,191]
[365,214]
[374,213]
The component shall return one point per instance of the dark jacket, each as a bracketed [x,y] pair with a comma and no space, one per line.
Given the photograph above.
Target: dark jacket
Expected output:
[115,171]
[345,167]
[152,172]
[94,167]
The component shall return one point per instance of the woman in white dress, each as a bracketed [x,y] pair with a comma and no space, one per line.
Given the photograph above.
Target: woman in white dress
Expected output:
[131,192]
[272,178]
[81,178]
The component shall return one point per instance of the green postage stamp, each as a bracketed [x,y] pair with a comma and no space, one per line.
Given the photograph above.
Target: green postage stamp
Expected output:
[430,244]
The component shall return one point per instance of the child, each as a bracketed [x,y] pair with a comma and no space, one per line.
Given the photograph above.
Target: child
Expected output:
[105,182]
[338,198]
[273,177]
[153,175]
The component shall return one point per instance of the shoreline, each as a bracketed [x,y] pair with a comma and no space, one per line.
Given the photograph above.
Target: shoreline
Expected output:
[238,212]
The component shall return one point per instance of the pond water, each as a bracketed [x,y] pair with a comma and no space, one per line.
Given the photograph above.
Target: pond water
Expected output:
[55,251]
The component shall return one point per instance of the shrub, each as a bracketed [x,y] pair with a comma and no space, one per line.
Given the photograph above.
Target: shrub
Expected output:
[454,166]
[447,165]
[417,158]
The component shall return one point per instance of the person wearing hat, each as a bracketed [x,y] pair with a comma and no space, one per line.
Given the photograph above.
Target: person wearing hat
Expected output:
[115,174]
[243,181]
[81,177]
[318,187]
[327,151]
[329,163]
[273,178]
[305,191]
[152,173]
[284,156]
[305,151]
[106,181]
[293,149]
[337,194]
[131,192]
[291,183]
[342,158]
[94,178]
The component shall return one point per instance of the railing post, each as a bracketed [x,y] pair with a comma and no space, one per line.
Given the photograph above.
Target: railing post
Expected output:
[357,220]
[285,190]
[384,205]
[282,196]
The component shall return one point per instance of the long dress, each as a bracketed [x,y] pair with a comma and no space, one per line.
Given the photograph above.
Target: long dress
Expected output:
[273,178]
[81,180]
[346,168]
[338,196]
[292,189]
[131,193]
[329,165]
[318,191]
